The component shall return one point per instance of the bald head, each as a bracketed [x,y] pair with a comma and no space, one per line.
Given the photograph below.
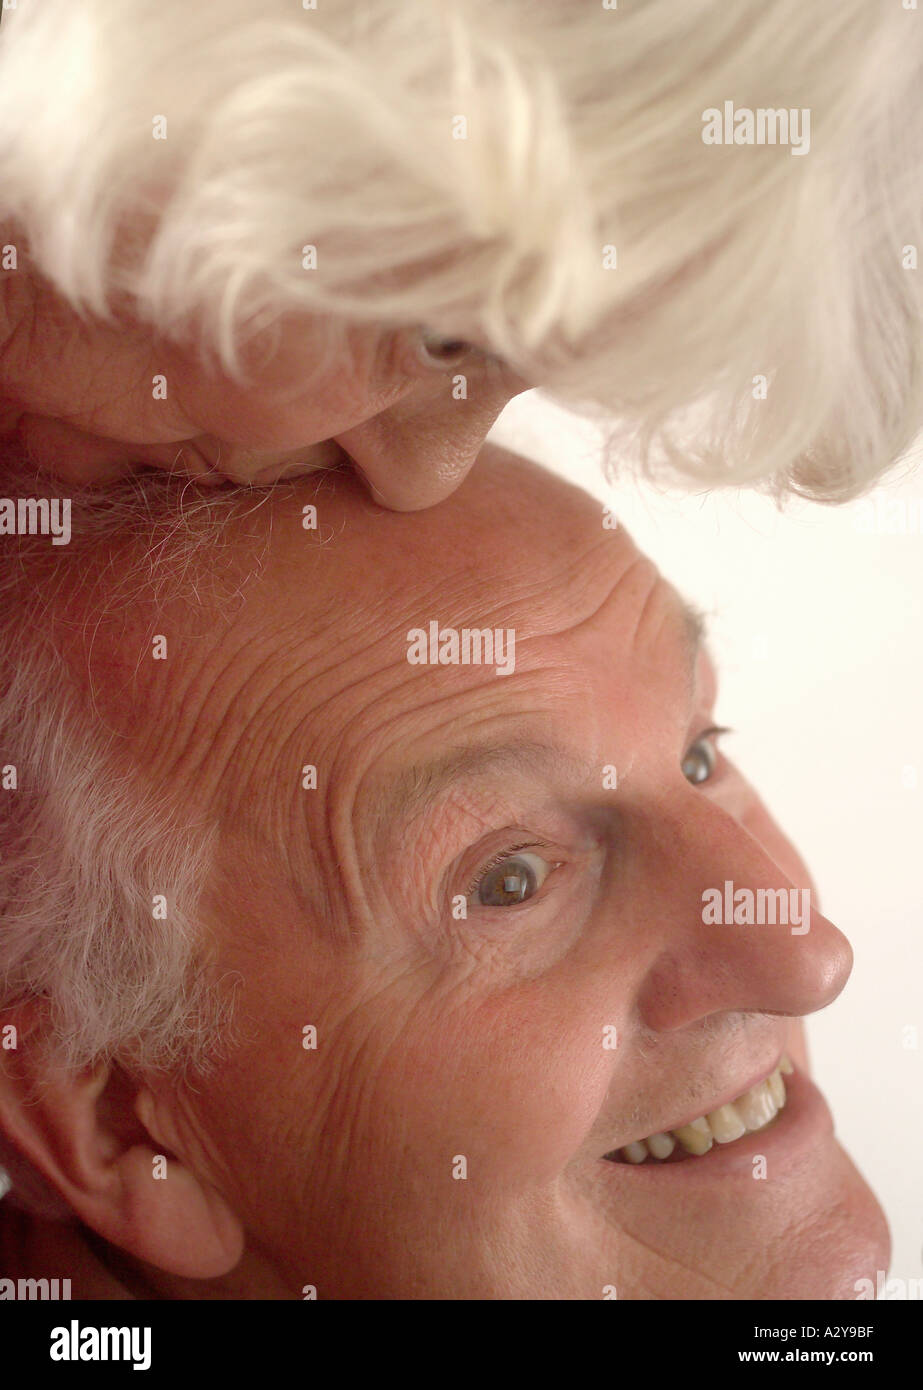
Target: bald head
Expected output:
[463,804]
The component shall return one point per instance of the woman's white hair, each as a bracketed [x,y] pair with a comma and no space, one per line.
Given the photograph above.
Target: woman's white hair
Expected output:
[532,174]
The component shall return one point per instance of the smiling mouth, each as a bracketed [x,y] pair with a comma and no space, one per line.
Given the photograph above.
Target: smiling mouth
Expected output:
[753,1110]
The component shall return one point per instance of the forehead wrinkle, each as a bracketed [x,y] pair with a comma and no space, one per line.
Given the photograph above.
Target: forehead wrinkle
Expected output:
[691,620]
[413,791]
[687,622]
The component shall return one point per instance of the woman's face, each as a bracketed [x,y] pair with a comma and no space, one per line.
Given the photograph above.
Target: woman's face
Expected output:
[490,908]
[90,401]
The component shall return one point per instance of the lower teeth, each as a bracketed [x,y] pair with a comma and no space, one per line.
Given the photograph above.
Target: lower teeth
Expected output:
[752,1111]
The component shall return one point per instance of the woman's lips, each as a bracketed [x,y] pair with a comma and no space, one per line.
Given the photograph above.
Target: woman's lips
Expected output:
[803,1121]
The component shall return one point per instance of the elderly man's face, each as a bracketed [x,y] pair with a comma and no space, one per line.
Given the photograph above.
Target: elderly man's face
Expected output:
[491,910]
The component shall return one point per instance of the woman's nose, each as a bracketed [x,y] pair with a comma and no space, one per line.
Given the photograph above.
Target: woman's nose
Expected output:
[738,934]
[417,452]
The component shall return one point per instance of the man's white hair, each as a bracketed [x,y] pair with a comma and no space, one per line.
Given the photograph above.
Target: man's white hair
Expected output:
[529,173]
[101,870]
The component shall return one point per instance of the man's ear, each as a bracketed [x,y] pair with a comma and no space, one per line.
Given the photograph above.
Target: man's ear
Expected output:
[101,1143]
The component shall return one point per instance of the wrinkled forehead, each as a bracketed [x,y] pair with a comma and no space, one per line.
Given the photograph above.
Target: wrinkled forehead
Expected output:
[319,601]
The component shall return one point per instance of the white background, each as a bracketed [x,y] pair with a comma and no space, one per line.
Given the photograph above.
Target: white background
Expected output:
[817,632]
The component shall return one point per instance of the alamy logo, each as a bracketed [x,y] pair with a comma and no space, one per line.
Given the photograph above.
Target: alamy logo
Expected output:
[76,1343]
[747,907]
[767,125]
[467,646]
[888,516]
[40,1289]
[36,516]
[885,1288]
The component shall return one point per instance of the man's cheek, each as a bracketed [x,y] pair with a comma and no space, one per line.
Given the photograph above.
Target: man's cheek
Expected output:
[524,1091]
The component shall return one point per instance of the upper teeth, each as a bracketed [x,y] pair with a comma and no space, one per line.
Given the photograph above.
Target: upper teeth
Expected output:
[749,1112]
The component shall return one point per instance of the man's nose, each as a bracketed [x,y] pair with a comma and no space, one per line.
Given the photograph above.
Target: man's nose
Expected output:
[737,935]
[417,452]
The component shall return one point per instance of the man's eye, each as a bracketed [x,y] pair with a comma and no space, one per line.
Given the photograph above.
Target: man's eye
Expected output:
[702,758]
[510,879]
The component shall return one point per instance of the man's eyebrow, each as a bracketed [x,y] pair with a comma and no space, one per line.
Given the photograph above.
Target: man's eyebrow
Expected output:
[695,628]
[417,786]
[412,790]
[695,623]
